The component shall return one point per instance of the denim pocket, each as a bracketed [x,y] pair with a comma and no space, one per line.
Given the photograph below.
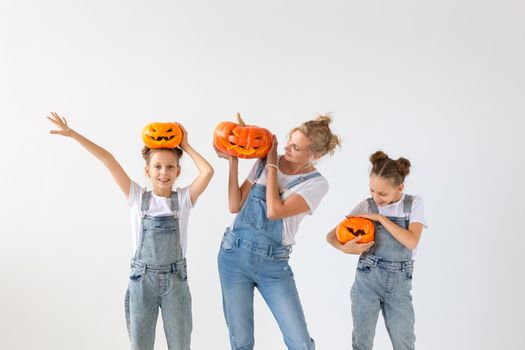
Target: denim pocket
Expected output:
[136,274]
[408,272]
[364,266]
[255,213]
[281,256]
[182,273]
[228,241]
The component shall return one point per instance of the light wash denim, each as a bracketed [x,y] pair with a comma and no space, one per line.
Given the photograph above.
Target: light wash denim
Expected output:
[252,256]
[158,279]
[383,282]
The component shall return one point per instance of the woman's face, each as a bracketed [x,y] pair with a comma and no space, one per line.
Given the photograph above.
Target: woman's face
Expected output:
[163,169]
[383,192]
[296,149]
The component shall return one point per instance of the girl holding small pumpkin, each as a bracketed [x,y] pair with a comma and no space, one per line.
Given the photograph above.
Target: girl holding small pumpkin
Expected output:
[158,277]
[271,203]
[383,279]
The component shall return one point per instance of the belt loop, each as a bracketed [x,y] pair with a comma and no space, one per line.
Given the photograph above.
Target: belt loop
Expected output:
[172,268]
[237,242]
[270,251]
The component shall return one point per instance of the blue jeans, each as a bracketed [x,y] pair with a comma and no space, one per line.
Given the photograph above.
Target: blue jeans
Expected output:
[149,290]
[382,285]
[245,264]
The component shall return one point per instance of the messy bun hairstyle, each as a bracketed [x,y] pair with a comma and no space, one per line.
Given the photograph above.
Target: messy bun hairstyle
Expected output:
[148,152]
[387,168]
[322,140]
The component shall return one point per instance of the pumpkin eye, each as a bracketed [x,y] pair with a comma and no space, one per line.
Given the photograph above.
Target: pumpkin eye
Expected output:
[169,130]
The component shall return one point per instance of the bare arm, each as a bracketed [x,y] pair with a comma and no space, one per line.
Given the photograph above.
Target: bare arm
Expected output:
[276,207]
[236,195]
[351,247]
[407,237]
[202,180]
[120,176]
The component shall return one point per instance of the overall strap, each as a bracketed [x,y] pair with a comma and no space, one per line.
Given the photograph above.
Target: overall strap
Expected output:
[259,170]
[373,206]
[299,180]
[407,205]
[174,202]
[146,200]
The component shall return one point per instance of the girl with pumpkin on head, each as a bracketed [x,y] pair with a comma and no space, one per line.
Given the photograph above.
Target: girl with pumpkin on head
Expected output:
[159,218]
[383,279]
[271,203]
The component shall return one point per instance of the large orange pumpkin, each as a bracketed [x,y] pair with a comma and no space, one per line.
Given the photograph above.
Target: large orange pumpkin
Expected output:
[162,135]
[352,227]
[241,140]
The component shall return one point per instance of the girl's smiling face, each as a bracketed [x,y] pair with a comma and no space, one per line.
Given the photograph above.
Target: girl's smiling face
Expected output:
[383,192]
[163,169]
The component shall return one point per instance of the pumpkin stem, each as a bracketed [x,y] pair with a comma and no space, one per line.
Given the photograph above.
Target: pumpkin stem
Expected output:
[239,119]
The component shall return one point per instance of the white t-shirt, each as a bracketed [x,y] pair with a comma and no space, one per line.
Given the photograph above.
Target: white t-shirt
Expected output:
[395,209]
[159,206]
[312,191]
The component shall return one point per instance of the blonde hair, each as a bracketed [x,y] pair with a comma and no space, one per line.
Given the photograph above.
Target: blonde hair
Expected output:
[322,140]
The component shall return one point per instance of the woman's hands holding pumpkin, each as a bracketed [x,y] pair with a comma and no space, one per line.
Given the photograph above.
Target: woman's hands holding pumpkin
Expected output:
[271,158]
[222,154]
[61,122]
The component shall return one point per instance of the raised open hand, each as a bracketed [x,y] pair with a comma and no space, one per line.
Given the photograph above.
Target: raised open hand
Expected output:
[61,123]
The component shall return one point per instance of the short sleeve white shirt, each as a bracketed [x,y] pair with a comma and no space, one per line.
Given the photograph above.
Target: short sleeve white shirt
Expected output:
[159,206]
[311,190]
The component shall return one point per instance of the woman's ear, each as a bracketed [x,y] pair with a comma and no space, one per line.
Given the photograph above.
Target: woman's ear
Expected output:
[401,187]
[146,170]
[178,171]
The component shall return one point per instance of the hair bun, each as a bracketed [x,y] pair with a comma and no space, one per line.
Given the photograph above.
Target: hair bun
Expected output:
[403,166]
[377,157]
[325,119]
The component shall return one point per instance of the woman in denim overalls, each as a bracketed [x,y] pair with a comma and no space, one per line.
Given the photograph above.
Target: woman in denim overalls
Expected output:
[255,249]
[383,279]
[158,277]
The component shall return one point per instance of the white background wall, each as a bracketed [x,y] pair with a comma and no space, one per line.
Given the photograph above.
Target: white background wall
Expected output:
[440,83]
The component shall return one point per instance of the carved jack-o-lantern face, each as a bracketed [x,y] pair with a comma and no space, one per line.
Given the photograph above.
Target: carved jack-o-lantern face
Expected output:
[352,227]
[162,135]
[241,140]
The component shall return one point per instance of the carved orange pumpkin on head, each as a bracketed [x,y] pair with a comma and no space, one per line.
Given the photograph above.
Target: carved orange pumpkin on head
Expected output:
[162,135]
[241,140]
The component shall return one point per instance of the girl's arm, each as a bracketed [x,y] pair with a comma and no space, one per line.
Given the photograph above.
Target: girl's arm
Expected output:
[205,169]
[120,176]
[407,237]
[351,247]
[236,195]
[276,207]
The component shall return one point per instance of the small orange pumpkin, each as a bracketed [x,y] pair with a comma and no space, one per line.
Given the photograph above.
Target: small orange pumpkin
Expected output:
[162,135]
[352,227]
[241,140]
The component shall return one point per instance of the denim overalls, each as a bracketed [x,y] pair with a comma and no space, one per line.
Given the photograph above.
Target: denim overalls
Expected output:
[158,279]
[252,255]
[383,282]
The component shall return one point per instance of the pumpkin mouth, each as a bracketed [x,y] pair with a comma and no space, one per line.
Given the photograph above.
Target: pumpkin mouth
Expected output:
[160,138]
[357,233]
